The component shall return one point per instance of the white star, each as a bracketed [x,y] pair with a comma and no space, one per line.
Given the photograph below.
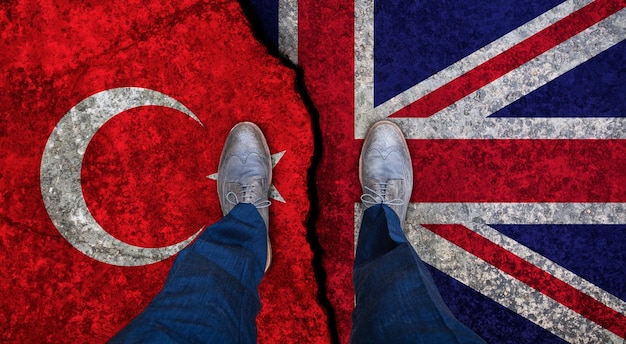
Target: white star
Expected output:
[274,194]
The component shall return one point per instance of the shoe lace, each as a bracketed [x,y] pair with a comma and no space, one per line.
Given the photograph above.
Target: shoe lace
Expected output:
[247,190]
[379,197]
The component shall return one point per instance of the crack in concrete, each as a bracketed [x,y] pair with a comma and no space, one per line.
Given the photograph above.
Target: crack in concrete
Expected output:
[311,221]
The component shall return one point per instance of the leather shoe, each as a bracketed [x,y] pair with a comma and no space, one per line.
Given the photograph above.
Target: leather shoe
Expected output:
[385,169]
[245,172]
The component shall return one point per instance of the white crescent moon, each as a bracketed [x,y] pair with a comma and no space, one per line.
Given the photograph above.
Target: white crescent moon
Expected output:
[61,168]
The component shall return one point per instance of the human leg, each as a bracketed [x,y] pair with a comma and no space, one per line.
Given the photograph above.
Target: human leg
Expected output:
[210,294]
[396,298]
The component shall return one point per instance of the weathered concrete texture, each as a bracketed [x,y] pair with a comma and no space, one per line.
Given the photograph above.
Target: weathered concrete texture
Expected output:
[124,172]
[509,141]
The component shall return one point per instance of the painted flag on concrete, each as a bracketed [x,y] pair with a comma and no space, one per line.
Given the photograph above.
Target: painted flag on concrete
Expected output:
[113,115]
[516,123]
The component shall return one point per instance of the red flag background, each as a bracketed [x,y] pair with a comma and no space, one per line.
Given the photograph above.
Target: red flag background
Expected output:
[144,172]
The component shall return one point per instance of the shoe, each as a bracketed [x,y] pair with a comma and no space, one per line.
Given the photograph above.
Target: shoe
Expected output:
[245,173]
[385,169]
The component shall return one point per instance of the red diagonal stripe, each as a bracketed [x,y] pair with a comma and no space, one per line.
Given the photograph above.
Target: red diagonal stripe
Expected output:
[533,276]
[510,59]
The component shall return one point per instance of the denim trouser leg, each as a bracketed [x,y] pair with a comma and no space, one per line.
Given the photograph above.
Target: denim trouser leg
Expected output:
[210,295]
[396,298]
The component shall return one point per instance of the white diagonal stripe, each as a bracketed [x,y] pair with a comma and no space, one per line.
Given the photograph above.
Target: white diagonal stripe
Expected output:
[506,290]
[499,286]
[467,117]
[549,266]
[480,56]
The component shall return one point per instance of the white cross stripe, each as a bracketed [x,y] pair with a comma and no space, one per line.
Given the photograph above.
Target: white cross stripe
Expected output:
[288,29]
[466,118]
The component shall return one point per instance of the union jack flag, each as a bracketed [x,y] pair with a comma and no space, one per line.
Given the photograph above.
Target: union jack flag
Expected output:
[520,107]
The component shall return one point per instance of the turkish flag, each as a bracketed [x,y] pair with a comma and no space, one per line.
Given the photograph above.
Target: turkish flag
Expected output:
[143,173]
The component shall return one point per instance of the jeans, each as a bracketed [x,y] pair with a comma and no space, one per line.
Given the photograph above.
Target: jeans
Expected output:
[210,294]
[396,299]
